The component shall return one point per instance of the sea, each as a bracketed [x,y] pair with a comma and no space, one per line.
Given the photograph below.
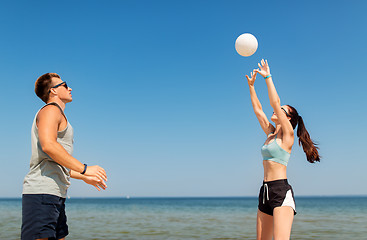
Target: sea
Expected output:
[195,218]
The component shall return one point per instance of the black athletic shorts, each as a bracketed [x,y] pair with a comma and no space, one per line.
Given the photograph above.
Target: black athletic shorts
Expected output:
[43,216]
[274,194]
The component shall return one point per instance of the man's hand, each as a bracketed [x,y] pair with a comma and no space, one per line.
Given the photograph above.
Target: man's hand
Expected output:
[96,182]
[96,171]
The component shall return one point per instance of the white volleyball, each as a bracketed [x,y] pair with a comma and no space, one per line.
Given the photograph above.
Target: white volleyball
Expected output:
[246,44]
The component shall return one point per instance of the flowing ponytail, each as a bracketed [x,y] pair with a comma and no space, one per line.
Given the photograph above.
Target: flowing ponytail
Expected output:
[304,139]
[309,147]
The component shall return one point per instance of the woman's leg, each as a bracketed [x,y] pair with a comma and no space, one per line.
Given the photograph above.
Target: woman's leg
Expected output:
[264,226]
[283,219]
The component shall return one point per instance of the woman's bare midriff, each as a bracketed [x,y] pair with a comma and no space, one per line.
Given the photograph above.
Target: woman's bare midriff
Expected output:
[274,171]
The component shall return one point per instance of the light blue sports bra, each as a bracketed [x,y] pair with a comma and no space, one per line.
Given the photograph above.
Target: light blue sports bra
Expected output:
[273,152]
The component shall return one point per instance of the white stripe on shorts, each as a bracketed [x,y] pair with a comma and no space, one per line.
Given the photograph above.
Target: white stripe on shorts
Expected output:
[289,201]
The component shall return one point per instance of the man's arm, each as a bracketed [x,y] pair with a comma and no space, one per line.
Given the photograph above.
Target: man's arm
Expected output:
[49,119]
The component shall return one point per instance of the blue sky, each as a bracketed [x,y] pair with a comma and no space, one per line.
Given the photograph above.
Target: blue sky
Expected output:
[160,97]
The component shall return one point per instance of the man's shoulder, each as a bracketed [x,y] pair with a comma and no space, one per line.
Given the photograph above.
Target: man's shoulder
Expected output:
[50,112]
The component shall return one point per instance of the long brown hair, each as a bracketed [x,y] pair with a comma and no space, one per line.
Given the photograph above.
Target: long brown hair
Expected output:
[304,139]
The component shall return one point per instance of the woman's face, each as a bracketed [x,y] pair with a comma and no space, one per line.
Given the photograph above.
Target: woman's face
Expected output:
[274,117]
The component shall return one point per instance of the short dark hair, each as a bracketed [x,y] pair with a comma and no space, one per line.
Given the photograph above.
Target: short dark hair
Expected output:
[43,85]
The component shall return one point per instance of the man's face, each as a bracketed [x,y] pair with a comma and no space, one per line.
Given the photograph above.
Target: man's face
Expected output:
[62,91]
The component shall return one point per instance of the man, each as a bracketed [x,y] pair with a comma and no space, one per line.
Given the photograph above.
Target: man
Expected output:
[52,164]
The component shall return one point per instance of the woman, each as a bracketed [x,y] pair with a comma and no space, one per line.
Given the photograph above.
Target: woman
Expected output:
[276,202]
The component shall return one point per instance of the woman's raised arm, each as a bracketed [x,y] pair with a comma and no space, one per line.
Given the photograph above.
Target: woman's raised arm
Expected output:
[264,71]
[263,120]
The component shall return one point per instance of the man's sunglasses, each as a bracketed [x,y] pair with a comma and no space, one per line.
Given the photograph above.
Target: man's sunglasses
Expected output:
[285,112]
[61,84]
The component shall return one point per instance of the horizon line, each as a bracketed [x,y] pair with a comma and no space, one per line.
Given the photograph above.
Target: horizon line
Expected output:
[172,197]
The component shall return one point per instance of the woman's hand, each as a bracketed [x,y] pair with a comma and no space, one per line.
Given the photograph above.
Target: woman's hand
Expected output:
[264,68]
[251,80]
[95,181]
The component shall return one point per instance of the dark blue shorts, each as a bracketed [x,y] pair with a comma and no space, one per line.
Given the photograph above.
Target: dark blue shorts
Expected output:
[43,216]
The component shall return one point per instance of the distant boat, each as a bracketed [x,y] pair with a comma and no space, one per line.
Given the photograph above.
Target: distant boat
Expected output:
[127,197]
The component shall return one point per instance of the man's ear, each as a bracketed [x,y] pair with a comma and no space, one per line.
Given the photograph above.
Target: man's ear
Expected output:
[53,91]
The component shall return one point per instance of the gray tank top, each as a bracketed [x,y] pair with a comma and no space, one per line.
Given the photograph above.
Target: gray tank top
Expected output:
[45,175]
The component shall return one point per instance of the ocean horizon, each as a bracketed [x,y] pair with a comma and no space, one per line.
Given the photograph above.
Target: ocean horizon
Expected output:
[184,197]
[318,217]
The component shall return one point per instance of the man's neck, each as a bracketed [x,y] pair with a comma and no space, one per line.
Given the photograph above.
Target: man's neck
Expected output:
[58,101]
